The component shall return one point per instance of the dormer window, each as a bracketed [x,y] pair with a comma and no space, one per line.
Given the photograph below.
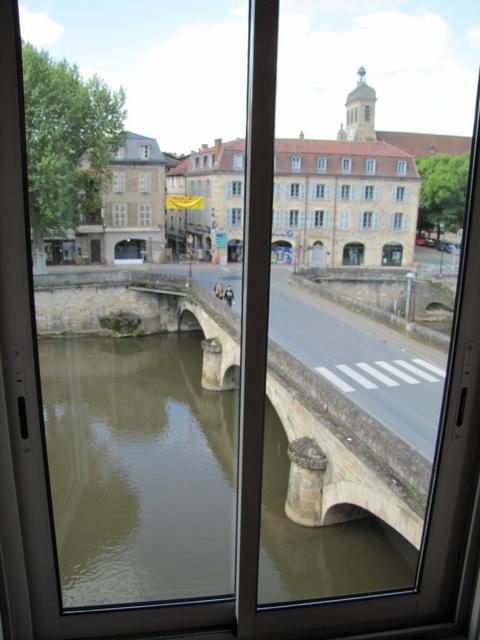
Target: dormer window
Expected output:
[401,167]
[370,165]
[321,164]
[346,165]
[238,160]
[144,151]
[296,163]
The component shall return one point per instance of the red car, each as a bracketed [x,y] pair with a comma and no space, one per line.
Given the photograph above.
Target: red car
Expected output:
[421,241]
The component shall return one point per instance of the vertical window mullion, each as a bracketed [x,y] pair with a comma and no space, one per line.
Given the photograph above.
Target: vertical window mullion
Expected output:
[263,32]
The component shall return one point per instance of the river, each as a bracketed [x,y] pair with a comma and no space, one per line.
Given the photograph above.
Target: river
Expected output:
[142,467]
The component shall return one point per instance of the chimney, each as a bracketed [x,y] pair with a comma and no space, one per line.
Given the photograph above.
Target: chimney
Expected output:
[204,146]
[217,148]
[301,135]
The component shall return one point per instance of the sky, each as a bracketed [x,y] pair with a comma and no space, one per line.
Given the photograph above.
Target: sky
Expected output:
[183,64]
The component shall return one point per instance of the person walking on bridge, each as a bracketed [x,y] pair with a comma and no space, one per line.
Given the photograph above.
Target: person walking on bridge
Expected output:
[229,296]
[218,290]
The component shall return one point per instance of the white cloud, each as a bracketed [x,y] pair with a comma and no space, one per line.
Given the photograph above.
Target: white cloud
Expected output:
[337,6]
[191,88]
[473,34]
[38,28]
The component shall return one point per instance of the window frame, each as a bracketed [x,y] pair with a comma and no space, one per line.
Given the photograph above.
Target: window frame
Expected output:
[438,607]
[404,165]
[296,162]
[348,162]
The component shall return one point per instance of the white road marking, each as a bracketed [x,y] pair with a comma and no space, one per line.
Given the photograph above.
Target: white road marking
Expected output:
[396,372]
[338,382]
[430,367]
[378,375]
[418,372]
[356,376]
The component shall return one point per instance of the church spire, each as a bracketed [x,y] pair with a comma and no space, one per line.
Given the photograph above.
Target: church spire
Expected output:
[360,110]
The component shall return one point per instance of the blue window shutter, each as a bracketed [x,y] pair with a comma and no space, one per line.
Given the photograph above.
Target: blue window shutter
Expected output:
[394,194]
[302,190]
[376,193]
[313,192]
[392,221]
[328,191]
[288,190]
[360,220]
[276,218]
[376,220]
[327,218]
[405,222]
[362,197]
[339,191]
[407,194]
[286,218]
[302,219]
[344,216]
[228,191]
[312,219]
[229,217]
[352,192]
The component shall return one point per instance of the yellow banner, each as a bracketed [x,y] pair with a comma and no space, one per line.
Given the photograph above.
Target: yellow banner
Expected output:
[185,202]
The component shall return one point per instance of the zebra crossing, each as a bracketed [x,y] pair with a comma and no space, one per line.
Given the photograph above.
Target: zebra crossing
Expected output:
[379,374]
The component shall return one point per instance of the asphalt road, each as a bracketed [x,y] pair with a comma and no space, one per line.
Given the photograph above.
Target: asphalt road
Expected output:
[397,380]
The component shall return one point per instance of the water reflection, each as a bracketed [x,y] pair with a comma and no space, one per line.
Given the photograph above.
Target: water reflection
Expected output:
[143,470]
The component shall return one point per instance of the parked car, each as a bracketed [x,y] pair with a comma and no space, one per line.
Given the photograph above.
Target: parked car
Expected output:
[420,241]
[430,242]
[449,247]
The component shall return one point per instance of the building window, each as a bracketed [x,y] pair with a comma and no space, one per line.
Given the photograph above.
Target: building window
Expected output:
[296,163]
[400,194]
[353,254]
[356,114]
[236,188]
[344,219]
[234,217]
[210,161]
[205,162]
[345,192]
[319,218]
[144,215]
[293,218]
[397,221]
[369,192]
[319,191]
[197,163]
[367,113]
[118,180]
[238,160]
[370,165]
[119,215]
[145,183]
[294,190]
[367,220]
[402,167]
[346,165]
[392,255]
[144,151]
[321,164]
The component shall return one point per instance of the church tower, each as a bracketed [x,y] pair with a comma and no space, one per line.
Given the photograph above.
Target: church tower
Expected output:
[360,110]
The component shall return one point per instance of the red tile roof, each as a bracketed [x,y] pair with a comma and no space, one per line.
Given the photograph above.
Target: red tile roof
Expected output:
[424,144]
[386,157]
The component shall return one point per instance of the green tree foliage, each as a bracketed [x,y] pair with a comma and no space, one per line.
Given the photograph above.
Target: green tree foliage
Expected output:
[443,192]
[73,127]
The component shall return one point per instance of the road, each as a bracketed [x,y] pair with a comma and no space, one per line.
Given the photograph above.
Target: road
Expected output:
[397,380]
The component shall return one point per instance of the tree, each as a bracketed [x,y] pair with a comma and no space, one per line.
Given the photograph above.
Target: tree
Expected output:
[73,128]
[443,191]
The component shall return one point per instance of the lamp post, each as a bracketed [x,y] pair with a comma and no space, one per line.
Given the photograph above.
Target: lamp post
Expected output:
[190,249]
[409,299]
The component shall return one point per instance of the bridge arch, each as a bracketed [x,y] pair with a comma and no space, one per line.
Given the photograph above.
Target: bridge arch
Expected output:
[231,377]
[358,497]
[188,321]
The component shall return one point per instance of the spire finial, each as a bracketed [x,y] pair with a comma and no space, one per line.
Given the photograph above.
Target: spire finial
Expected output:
[361,75]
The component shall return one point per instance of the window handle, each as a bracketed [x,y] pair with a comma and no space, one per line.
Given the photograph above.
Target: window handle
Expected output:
[22,416]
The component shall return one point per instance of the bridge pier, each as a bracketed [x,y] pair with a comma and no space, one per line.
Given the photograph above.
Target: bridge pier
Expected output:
[308,464]
[212,364]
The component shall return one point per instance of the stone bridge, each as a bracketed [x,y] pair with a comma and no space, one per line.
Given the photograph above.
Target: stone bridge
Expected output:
[344,464]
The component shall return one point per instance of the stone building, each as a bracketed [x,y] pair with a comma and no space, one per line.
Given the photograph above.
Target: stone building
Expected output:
[130,228]
[335,202]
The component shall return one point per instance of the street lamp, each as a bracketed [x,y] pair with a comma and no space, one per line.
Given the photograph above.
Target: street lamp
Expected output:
[409,300]
[190,249]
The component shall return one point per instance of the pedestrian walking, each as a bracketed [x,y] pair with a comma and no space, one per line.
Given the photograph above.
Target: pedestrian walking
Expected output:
[229,295]
[218,290]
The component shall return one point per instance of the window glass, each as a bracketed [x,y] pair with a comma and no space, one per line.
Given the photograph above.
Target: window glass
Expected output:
[354,403]
[137,310]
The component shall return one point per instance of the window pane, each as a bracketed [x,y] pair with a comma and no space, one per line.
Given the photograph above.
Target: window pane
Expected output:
[361,300]
[139,350]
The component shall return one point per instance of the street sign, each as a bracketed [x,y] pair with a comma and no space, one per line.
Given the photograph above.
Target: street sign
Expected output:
[221,239]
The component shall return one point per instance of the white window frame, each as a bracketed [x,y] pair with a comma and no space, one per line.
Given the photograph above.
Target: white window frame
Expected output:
[294,190]
[144,215]
[402,167]
[118,182]
[322,164]
[144,151]
[237,217]
[400,194]
[293,218]
[370,166]
[369,192]
[119,215]
[145,182]
[319,219]
[346,165]
[296,163]
[238,161]
[449,559]
[345,188]
[237,188]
